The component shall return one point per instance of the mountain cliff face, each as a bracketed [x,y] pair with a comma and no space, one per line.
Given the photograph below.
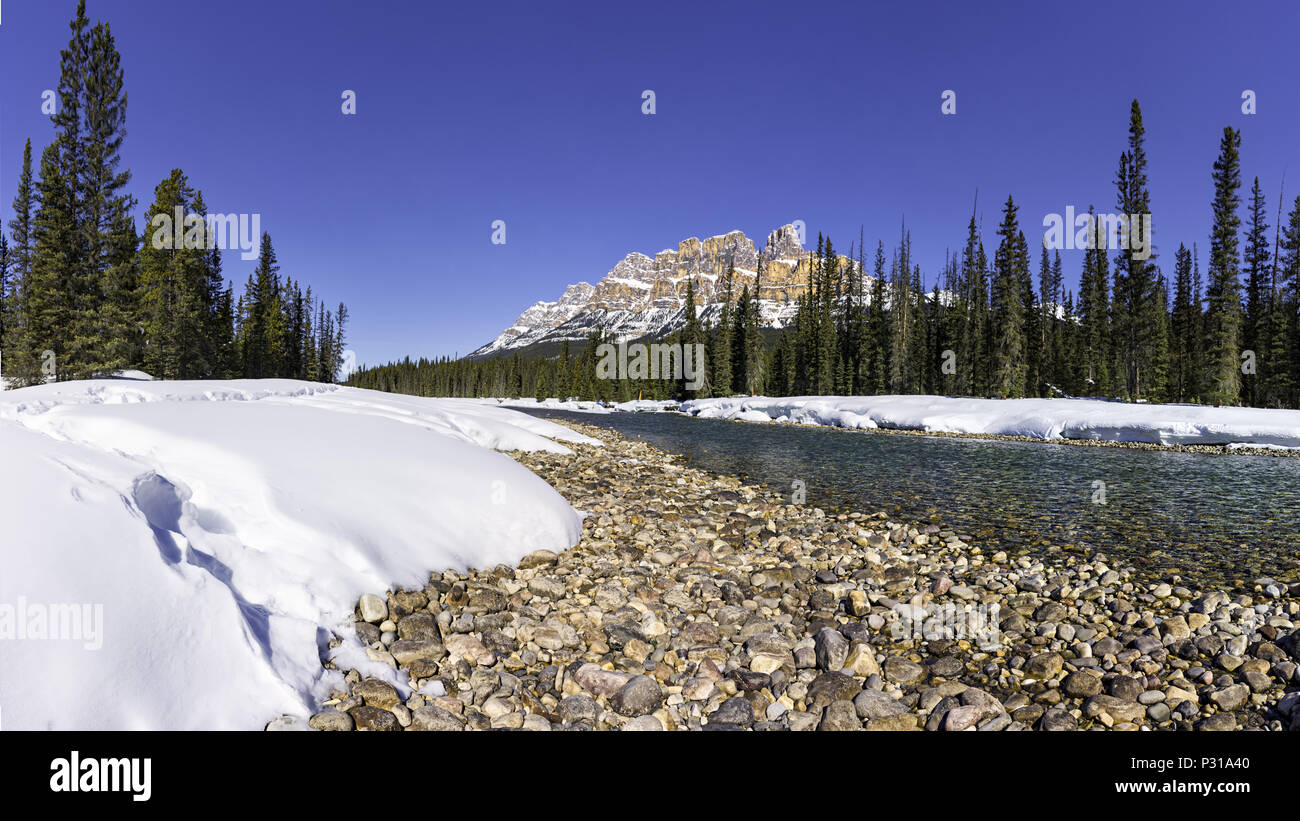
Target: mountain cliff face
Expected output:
[646,296]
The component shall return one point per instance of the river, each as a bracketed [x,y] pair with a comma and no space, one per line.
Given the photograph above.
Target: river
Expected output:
[1206,519]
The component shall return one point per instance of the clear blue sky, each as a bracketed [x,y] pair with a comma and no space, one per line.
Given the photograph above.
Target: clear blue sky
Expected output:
[766,113]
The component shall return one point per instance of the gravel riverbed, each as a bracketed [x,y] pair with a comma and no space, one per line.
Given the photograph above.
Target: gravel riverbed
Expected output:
[697,602]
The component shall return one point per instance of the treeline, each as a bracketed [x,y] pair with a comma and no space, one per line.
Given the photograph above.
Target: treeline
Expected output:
[985,328]
[83,294]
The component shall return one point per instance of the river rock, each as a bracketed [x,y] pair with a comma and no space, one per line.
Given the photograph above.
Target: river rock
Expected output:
[331,720]
[374,718]
[640,695]
[1080,684]
[832,649]
[1119,709]
[839,716]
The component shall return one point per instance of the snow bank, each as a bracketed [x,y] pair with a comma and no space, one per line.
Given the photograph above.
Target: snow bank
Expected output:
[1040,418]
[585,406]
[174,555]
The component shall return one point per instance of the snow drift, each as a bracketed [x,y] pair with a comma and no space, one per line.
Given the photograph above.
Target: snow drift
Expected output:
[175,555]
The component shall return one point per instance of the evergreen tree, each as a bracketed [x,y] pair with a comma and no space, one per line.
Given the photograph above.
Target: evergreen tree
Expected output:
[21,227]
[1158,348]
[877,331]
[1035,329]
[1073,350]
[827,312]
[1197,343]
[755,350]
[1222,380]
[740,347]
[972,359]
[692,335]
[901,317]
[1184,328]
[1011,266]
[1051,323]
[16,358]
[174,285]
[1288,290]
[720,340]
[951,324]
[4,293]
[52,287]
[263,348]
[90,123]
[919,368]
[1258,289]
[340,339]
[1137,309]
[1094,307]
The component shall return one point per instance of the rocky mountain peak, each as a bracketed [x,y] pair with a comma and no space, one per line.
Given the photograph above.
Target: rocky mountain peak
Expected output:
[645,296]
[784,243]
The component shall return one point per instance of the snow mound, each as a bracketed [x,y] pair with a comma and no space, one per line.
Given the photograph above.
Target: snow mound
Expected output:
[176,555]
[1038,418]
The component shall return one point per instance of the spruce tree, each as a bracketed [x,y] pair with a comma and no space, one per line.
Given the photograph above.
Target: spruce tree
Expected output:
[1094,308]
[972,360]
[1223,320]
[90,123]
[740,349]
[53,285]
[21,227]
[827,313]
[1137,308]
[877,328]
[952,325]
[1073,367]
[1052,327]
[1010,265]
[756,351]
[901,317]
[174,284]
[692,336]
[340,340]
[1288,277]
[1197,342]
[720,342]
[1158,349]
[1035,337]
[4,290]
[919,369]
[15,353]
[1183,327]
[1258,290]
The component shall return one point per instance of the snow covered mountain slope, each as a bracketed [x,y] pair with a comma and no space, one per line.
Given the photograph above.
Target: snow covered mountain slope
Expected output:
[176,555]
[646,296]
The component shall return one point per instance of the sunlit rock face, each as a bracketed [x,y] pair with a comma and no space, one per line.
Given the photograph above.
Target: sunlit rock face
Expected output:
[646,296]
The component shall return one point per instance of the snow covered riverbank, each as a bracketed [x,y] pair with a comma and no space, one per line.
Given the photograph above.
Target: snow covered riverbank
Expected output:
[584,406]
[175,555]
[1037,418]
[1073,419]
